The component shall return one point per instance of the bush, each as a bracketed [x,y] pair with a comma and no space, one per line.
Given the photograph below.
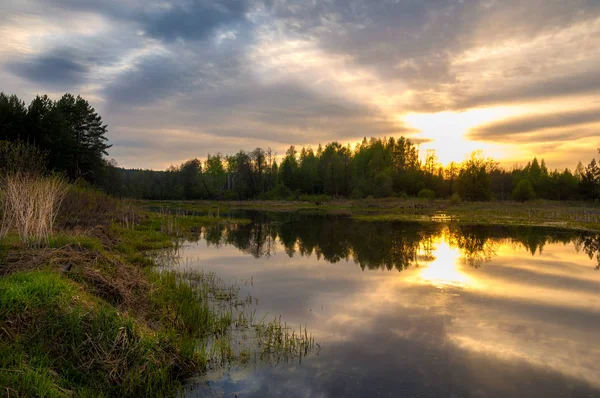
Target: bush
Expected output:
[402,195]
[426,194]
[294,195]
[356,194]
[21,157]
[279,192]
[30,205]
[86,206]
[229,195]
[318,199]
[524,191]
[383,186]
[455,199]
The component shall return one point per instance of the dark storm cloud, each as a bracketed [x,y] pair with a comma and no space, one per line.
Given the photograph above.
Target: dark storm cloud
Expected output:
[207,70]
[530,124]
[174,19]
[148,80]
[57,69]
[194,19]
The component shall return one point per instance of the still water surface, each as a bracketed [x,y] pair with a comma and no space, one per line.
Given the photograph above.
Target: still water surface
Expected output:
[414,310]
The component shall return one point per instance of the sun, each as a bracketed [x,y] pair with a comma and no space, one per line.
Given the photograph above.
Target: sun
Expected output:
[446,132]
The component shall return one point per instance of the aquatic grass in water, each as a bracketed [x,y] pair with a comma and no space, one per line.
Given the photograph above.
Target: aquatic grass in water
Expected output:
[235,333]
[279,341]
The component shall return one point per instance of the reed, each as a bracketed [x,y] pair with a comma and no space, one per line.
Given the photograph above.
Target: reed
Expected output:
[30,204]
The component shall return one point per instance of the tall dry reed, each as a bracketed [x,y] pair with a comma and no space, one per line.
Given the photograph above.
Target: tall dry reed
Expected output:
[30,205]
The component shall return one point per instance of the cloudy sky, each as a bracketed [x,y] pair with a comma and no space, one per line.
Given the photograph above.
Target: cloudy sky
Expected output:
[176,79]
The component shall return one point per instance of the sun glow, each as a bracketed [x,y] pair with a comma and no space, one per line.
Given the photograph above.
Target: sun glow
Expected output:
[446,131]
[445,270]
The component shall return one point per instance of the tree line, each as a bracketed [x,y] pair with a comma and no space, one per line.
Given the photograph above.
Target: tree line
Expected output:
[72,134]
[69,133]
[374,168]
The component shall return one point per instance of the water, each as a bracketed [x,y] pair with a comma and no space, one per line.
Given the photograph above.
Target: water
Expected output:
[414,310]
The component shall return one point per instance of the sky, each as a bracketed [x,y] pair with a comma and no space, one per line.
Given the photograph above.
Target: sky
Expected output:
[177,79]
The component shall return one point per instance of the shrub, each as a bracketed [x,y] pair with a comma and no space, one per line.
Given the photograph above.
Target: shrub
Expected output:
[21,157]
[30,206]
[229,195]
[86,206]
[356,194]
[383,184]
[524,191]
[455,199]
[318,199]
[279,192]
[426,194]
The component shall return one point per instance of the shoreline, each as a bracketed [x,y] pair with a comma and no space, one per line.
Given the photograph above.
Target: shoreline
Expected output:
[89,313]
[584,216]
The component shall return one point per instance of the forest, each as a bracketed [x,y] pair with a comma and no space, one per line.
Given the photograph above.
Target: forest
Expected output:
[71,133]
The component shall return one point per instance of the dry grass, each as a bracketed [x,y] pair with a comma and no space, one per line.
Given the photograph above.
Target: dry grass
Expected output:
[30,205]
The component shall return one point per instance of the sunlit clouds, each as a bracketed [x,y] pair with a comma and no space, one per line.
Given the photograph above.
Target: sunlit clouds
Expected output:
[446,132]
[515,79]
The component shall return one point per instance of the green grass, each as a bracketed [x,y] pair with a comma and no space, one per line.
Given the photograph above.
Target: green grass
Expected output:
[58,340]
[141,239]
[83,241]
[32,291]
[62,335]
[159,231]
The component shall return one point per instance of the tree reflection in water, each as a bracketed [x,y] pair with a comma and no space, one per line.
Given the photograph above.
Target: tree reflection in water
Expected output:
[384,245]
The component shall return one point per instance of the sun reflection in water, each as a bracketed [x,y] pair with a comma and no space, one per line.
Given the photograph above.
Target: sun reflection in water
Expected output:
[444,269]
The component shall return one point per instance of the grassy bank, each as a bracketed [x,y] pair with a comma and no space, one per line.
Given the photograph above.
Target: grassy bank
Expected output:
[88,313]
[572,215]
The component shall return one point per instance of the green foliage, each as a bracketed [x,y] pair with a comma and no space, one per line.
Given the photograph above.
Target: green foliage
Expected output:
[84,205]
[455,199]
[590,181]
[289,173]
[402,195]
[82,241]
[19,156]
[426,194]
[474,183]
[279,192]
[524,191]
[68,130]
